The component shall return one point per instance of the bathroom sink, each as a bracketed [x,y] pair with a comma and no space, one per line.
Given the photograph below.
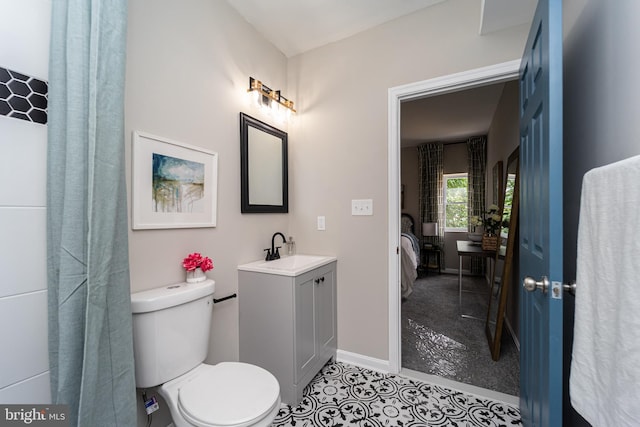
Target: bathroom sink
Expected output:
[293,265]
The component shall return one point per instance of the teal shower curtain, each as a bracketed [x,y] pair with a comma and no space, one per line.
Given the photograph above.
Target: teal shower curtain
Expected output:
[90,337]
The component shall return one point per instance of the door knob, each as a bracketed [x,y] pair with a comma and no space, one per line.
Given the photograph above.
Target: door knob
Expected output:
[530,284]
[570,287]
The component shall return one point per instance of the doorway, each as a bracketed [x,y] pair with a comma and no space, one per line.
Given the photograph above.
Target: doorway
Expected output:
[439,86]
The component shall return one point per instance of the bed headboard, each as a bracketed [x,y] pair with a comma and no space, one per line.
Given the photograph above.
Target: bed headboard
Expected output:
[407,224]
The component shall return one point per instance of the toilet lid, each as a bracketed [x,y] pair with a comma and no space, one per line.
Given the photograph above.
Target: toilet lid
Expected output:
[229,394]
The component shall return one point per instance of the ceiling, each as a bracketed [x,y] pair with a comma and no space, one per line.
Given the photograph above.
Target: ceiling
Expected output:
[451,117]
[297,26]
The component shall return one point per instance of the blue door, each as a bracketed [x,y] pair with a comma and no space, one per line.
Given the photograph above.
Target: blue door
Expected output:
[541,219]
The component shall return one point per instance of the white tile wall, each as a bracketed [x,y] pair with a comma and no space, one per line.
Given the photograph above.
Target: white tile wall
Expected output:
[23,252]
[31,390]
[24,364]
[23,162]
[25,337]
[24,36]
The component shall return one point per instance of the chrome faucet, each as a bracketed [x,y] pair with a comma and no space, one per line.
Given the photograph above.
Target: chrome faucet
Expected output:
[275,253]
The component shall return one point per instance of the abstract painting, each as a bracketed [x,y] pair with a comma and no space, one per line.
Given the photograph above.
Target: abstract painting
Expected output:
[178,184]
[174,184]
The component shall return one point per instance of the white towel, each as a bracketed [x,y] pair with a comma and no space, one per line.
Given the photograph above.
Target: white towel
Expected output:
[605,370]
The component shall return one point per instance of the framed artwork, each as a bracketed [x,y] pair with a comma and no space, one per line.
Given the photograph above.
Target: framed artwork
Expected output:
[174,185]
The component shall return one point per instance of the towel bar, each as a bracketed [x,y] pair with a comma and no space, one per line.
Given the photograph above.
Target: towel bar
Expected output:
[215,301]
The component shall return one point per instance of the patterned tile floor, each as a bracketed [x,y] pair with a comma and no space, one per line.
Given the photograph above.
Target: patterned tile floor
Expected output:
[342,395]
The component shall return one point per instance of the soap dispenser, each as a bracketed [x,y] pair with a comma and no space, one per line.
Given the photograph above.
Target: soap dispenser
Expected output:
[291,246]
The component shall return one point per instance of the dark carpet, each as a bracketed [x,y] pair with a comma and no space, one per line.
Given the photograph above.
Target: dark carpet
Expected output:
[437,340]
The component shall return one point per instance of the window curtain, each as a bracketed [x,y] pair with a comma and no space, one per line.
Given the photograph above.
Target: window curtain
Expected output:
[431,193]
[477,150]
[90,337]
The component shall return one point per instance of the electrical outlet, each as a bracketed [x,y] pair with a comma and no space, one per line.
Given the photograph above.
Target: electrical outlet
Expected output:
[362,207]
[321,223]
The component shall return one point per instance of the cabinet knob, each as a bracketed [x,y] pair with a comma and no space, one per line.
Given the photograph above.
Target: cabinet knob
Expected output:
[316,281]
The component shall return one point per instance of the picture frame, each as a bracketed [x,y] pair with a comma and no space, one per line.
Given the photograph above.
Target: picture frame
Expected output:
[174,185]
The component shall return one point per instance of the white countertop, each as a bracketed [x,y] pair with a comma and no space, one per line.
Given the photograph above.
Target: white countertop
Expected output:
[293,265]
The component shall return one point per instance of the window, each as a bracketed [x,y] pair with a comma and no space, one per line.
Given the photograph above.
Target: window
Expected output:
[456,215]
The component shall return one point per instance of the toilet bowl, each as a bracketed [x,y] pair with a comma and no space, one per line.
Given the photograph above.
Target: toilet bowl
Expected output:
[171,329]
[227,394]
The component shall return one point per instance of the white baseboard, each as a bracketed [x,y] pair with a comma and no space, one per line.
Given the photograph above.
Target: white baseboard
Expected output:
[364,362]
[464,388]
[383,366]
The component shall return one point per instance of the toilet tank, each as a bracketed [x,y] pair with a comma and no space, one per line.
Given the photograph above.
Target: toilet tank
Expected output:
[171,330]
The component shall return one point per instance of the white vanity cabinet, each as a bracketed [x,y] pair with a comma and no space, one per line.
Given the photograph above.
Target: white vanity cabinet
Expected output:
[288,324]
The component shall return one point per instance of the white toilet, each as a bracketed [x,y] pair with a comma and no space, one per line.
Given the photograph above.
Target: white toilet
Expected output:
[171,329]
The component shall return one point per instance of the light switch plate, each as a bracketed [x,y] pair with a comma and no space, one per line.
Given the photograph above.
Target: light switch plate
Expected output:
[362,207]
[321,223]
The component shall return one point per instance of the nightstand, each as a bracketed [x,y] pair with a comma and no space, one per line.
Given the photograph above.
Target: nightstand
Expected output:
[430,252]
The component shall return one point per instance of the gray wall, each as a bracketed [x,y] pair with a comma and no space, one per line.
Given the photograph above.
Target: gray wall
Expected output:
[187,72]
[601,105]
[188,68]
[339,145]
[503,138]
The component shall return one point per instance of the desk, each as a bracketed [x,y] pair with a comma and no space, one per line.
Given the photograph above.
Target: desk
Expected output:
[466,248]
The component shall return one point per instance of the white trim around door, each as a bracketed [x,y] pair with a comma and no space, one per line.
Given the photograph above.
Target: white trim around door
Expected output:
[438,86]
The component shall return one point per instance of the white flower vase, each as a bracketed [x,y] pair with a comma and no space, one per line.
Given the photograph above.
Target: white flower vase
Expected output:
[195,276]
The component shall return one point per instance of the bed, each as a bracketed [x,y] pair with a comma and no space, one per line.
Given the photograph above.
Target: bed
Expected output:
[409,255]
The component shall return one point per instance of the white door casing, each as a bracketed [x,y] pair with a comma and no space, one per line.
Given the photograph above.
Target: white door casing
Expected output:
[497,73]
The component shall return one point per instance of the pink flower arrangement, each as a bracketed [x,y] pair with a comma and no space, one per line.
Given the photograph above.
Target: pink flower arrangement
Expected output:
[195,260]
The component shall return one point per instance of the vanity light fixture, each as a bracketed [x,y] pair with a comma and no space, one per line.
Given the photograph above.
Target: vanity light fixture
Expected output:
[268,96]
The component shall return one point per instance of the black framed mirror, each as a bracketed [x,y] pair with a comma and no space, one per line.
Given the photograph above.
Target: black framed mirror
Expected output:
[263,167]
[503,267]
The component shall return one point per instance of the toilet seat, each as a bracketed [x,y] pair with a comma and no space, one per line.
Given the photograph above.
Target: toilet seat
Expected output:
[229,394]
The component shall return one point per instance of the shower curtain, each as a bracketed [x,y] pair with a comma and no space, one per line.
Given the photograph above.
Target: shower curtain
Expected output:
[477,149]
[431,195]
[90,337]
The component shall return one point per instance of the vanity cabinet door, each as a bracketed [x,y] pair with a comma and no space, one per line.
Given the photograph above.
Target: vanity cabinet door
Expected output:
[315,326]
[305,335]
[326,315]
